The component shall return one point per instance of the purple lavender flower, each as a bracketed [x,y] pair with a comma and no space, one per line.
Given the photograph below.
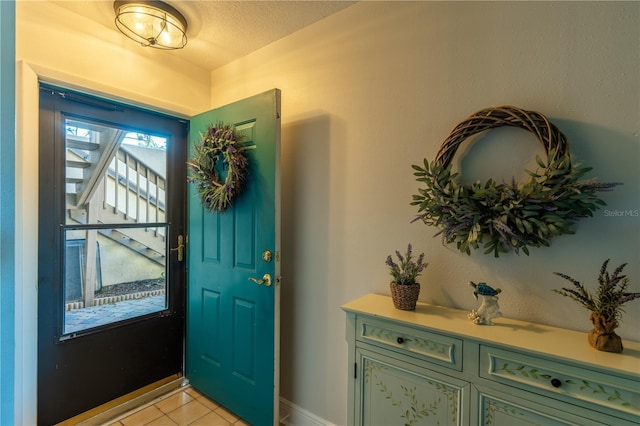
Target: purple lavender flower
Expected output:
[407,270]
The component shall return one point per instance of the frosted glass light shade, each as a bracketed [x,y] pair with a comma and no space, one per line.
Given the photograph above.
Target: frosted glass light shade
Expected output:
[151,23]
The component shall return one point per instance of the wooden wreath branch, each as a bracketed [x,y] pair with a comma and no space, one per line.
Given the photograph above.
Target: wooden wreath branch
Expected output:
[552,139]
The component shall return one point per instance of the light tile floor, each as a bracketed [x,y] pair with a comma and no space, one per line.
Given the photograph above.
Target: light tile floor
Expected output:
[183,407]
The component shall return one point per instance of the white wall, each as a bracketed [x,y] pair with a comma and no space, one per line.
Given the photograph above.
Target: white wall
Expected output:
[376,88]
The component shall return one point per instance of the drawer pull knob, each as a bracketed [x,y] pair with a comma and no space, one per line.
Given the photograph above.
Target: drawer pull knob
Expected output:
[400,340]
[556,383]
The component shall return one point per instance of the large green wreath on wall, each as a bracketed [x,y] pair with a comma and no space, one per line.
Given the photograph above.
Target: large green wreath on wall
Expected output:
[506,217]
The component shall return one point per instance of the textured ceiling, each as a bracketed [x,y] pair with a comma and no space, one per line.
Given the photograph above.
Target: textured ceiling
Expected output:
[222,31]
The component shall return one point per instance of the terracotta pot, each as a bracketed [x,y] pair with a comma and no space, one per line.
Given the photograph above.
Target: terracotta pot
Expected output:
[405,296]
[602,337]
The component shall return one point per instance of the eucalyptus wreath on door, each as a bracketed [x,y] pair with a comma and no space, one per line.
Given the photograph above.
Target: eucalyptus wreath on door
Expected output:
[219,167]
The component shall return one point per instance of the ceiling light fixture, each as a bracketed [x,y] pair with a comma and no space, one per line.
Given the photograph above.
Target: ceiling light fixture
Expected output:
[151,23]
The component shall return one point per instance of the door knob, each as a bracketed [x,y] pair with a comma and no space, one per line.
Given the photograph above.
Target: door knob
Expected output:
[266,280]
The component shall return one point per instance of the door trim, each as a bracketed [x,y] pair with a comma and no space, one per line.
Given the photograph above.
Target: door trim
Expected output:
[26,309]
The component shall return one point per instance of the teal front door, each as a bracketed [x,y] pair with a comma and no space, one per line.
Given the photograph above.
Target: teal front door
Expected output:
[232,312]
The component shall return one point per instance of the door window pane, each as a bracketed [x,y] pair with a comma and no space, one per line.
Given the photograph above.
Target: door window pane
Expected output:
[113,175]
[110,277]
[115,225]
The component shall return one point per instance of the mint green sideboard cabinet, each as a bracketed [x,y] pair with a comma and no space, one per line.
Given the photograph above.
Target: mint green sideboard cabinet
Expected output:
[433,366]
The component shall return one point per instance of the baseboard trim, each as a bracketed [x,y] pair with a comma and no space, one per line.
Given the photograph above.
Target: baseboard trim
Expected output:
[293,415]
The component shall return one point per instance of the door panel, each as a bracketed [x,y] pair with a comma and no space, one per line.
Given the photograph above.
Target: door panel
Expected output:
[232,321]
[81,363]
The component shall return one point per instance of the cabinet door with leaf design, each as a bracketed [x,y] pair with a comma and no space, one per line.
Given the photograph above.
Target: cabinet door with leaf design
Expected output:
[394,392]
[500,409]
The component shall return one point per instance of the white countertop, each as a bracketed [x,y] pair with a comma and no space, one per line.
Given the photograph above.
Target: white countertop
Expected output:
[541,339]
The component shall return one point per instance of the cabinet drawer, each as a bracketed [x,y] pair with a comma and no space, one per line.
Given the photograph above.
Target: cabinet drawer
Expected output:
[561,381]
[431,347]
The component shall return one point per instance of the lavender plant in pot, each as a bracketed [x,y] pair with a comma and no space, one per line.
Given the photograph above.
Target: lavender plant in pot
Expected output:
[605,305]
[405,288]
